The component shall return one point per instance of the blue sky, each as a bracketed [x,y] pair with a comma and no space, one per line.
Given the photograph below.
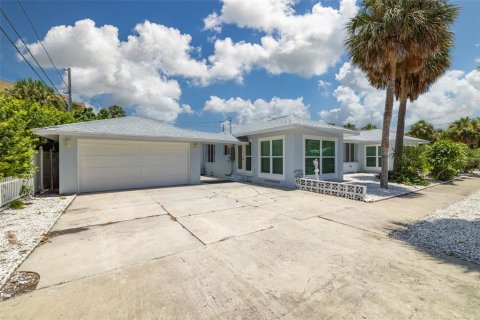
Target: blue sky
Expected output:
[343,92]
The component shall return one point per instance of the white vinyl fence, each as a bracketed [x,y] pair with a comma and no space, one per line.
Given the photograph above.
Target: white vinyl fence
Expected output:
[10,189]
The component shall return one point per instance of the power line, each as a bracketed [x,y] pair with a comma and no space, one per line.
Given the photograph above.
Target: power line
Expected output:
[21,54]
[38,38]
[38,64]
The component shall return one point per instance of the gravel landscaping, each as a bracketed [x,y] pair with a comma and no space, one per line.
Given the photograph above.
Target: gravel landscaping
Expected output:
[23,229]
[454,231]
[374,192]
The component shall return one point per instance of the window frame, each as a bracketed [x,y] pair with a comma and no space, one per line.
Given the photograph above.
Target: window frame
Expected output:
[320,158]
[347,157]
[243,160]
[210,153]
[271,175]
[378,156]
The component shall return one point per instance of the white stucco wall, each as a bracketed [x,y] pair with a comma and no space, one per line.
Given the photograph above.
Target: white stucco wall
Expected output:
[293,157]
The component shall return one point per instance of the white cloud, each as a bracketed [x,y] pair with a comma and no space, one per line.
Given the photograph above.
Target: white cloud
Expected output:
[325,86]
[247,111]
[135,72]
[305,44]
[454,95]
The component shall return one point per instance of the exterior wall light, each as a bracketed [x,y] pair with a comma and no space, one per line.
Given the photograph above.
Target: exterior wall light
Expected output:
[68,143]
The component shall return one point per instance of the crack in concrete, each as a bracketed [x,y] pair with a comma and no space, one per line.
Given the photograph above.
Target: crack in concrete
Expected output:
[175,219]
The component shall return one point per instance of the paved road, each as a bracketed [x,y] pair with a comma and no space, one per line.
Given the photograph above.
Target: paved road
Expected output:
[243,251]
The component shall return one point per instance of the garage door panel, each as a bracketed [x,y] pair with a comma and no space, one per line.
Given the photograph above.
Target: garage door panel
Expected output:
[111,165]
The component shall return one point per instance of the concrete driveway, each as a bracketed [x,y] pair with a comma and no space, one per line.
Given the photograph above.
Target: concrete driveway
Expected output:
[234,250]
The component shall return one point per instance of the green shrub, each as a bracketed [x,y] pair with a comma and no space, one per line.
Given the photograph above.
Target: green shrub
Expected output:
[413,165]
[446,159]
[473,160]
[16,204]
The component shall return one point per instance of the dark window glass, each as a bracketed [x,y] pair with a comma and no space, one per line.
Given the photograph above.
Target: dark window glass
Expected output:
[328,165]
[312,148]
[265,148]
[240,158]
[265,165]
[277,165]
[328,148]
[277,147]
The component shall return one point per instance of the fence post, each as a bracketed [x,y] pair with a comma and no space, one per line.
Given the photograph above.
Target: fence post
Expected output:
[41,168]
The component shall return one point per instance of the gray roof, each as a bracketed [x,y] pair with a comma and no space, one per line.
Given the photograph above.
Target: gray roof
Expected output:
[133,127]
[375,135]
[286,122]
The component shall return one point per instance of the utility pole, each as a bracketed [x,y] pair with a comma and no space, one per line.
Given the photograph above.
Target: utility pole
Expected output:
[69,89]
[230,123]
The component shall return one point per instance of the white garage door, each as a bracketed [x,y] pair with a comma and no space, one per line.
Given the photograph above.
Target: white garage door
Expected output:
[112,165]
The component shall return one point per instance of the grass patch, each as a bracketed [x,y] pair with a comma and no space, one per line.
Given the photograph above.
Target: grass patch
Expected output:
[16,204]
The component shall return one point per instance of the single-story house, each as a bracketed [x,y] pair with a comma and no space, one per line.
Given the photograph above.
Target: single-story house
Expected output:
[363,152]
[129,152]
[277,151]
[137,152]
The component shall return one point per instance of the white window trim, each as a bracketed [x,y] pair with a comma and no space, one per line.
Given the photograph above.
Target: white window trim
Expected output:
[376,157]
[355,154]
[272,176]
[323,175]
[244,160]
[208,153]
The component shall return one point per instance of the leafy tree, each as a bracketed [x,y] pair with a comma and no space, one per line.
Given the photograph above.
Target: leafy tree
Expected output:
[37,91]
[422,130]
[116,111]
[381,36]
[369,127]
[84,114]
[349,126]
[103,114]
[446,159]
[413,168]
[15,142]
[465,130]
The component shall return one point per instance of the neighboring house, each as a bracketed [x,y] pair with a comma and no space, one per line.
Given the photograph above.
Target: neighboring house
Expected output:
[277,151]
[129,152]
[363,153]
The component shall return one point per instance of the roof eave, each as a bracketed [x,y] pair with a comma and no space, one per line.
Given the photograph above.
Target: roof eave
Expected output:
[297,126]
[53,135]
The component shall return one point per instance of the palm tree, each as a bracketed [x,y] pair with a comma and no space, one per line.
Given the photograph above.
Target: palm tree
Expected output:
[116,111]
[382,35]
[465,130]
[349,125]
[369,127]
[422,130]
[37,91]
[412,84]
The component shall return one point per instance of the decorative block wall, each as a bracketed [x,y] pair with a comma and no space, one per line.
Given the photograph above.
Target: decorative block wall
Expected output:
[339,189]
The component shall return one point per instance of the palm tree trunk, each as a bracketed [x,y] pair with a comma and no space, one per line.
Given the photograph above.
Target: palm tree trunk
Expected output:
[402,110]
[387,120]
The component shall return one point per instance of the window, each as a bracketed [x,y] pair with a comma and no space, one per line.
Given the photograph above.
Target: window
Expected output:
[271,156]
[226,150]
[244,159]
[373,156]
[324,151]
[210,153]
[349,152]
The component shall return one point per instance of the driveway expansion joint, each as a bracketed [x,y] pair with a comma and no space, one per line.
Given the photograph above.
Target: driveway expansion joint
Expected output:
[175,219]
